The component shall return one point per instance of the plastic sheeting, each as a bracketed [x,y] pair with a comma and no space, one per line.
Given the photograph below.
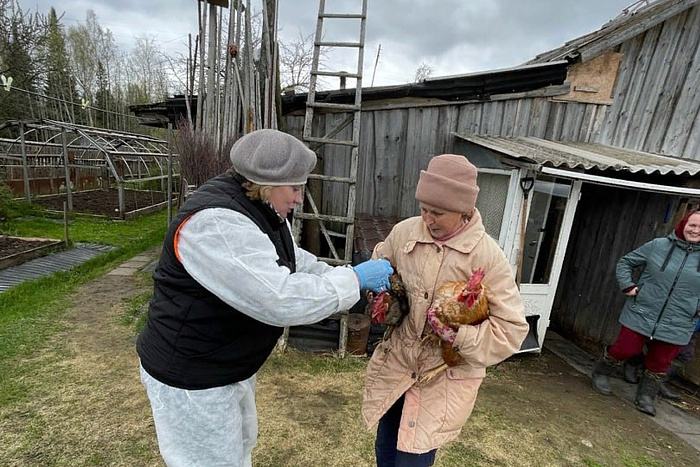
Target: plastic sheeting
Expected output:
[215,427]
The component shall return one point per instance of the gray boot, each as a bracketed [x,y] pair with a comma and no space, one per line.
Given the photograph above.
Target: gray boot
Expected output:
[632,368]
[602,371]
[664,390]
[630,372]
[647,390]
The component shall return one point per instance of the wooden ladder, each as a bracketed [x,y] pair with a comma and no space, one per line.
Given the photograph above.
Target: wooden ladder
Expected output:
[314,208]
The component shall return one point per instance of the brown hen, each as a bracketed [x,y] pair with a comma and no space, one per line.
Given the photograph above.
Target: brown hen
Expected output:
[455,304]
[389,307]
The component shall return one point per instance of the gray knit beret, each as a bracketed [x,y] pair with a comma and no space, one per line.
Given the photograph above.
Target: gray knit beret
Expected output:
[270,157]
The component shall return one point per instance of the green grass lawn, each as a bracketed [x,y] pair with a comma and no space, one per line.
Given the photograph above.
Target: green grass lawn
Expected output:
[70,394]
[30,312]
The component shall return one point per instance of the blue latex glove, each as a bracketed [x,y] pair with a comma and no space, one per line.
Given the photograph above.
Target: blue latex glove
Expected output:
[374,274]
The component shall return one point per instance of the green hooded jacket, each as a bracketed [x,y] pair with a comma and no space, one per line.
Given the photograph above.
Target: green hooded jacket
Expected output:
[667,304]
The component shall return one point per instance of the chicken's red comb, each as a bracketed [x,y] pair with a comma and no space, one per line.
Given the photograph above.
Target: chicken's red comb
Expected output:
[476,278]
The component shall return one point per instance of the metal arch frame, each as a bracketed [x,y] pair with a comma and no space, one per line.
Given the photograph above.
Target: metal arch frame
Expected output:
[145,149]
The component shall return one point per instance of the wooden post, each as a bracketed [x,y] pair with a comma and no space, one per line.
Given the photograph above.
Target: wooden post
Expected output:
[69,193]
[65,223]
[122,203]
[199,119]
[25,164]
[343,337]
[170,173]
[190,83]
[283,340]
[212,74]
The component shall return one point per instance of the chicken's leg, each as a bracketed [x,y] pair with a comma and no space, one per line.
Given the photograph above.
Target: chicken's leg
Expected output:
[425,378]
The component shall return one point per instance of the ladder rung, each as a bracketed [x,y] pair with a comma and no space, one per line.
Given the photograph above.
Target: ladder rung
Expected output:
[312,139]
[324,217]
[336,73]
[328,105]
[334,262]
[342,15]
[335,234]
[359,45]
[331,178]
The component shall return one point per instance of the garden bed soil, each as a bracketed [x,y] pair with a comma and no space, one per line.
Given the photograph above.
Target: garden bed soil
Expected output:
[13,245]
[105,202]
[17,250]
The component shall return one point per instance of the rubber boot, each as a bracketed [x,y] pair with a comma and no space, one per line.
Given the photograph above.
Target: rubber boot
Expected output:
[647,390]
[630,370]
[602,371]
[630,373]
[664,389]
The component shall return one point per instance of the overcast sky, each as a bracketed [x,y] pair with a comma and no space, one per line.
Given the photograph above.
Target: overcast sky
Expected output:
[450,36]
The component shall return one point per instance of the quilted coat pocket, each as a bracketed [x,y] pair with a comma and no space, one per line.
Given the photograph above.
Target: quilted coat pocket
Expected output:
[460,391]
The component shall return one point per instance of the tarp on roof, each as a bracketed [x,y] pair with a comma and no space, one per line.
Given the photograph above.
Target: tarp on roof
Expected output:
[472,86]
[573,155]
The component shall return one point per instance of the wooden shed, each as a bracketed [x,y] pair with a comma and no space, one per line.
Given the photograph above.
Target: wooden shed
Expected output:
[607,125]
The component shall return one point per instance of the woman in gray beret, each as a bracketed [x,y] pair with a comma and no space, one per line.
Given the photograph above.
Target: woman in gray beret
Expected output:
[229,279]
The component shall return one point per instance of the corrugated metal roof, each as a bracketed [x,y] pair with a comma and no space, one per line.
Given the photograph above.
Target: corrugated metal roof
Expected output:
[584,155]
[625,26]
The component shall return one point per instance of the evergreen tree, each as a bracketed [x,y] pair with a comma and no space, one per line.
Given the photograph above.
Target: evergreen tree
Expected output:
[22,41]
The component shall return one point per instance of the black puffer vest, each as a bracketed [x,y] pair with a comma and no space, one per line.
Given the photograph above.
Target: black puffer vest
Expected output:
[192,339]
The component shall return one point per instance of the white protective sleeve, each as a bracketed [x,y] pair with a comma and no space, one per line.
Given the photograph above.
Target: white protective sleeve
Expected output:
[231,257]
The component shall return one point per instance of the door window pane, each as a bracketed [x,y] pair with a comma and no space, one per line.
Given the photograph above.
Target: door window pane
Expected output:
[547,205]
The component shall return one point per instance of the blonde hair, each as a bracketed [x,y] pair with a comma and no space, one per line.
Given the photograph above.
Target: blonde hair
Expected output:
[256,192]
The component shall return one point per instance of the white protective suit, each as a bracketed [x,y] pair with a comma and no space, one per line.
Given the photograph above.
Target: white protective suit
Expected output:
[231,257]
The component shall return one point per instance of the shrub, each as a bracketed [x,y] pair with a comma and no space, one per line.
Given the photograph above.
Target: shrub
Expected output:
[199,158]
[6,200]
[11,207]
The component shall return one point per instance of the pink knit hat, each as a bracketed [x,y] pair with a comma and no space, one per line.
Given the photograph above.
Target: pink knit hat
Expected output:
[449,184]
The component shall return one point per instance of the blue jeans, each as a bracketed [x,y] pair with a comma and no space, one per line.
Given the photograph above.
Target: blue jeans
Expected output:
[387,438]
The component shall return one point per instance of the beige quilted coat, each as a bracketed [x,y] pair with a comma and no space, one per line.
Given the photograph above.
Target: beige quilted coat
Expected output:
[434,414]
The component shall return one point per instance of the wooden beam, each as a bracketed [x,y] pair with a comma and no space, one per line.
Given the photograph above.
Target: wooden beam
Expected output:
[221,3]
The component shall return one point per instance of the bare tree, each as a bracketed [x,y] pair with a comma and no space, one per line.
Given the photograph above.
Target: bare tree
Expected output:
[147,76]
[93,56]
[60,84]
[295,60]
[423,72]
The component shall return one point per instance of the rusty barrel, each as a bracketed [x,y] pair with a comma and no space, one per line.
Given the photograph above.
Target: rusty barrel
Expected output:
[358,333]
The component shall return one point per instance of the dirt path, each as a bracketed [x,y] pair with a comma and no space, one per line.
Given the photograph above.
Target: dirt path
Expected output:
[87,408]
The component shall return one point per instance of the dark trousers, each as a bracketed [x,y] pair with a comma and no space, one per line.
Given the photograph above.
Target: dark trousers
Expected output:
[630,343]
[387,437]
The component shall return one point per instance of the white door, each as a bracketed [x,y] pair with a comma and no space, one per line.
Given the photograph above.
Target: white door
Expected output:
[550,216]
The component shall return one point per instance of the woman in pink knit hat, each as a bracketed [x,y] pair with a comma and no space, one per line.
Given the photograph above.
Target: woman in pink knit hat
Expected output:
[447,242]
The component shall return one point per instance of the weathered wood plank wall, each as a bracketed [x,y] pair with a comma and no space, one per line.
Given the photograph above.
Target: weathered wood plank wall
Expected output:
[588,301]
[395,144]
[656,103]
